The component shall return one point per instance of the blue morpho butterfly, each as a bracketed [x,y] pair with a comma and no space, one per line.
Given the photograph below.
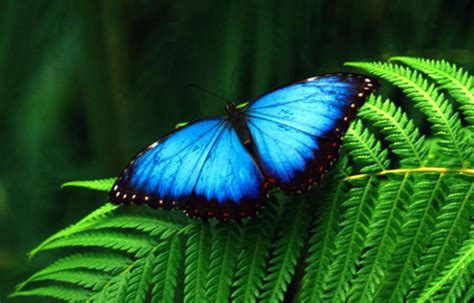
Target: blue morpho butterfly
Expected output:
[222,166]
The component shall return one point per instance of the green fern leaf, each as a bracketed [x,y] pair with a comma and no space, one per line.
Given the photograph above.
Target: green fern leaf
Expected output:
[140,279]
[458,83]
[448,233]
[136,244]
[252,259]
[364,149]
[445,121]
[152,222]
[85,278]
[65,293]
[384,232]
[224,253]
[82,225]
[103,262]
[197,263]
[405,139]
[369,155]
[286,250]
[116,288]
[323,233]
[98,184]
[429,194]
[457,289]
[166,270]
[458,266]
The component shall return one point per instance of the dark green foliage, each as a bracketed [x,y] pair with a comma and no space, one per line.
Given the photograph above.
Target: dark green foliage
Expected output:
[391,222]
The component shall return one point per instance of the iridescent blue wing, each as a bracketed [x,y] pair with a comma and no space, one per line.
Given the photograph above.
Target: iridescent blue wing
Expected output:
[296,129]
[201,168]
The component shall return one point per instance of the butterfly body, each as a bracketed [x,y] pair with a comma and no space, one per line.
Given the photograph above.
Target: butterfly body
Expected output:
[222,167]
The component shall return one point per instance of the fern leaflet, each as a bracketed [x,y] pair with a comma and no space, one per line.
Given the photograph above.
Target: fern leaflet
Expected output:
[166,270]
[455,80]
[98,184]
[445,121]
[286,250]
[197,263]
[461,264]
[369,155]
[255,251]
[224,253]
[323,232]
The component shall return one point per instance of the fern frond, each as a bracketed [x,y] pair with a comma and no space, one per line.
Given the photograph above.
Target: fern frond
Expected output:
[445,121]
[224,253]
[458,266]
[140,279]
[286,250]
[68,294]
[98,261]
[429,193]
[349,241]
[323,232]
[455,80]
[255,251]
[165,273]
[364,149]
[115,288]
[85,278]
[131,243]
[394,194]
[368,154]
[384,232]
[131,284]
[459,289]
[98,184]
[82,225]
[197,263]
[143,220]
[452,225]
[405,139]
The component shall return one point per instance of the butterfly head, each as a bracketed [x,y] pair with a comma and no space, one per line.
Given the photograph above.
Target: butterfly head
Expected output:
[230,106]
[233,112]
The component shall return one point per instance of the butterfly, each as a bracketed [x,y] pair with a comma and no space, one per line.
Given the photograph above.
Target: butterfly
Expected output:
[222,167]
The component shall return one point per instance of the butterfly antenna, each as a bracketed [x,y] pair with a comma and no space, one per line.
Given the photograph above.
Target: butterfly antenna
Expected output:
[231,86]
[209,92]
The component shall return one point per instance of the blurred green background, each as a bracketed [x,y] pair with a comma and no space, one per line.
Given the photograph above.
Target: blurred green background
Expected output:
[85,84]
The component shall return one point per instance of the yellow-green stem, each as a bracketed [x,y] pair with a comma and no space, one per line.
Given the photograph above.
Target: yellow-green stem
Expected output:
[468,171]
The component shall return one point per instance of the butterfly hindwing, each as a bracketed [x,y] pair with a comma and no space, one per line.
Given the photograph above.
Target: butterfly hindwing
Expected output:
[201,168]
[296,129]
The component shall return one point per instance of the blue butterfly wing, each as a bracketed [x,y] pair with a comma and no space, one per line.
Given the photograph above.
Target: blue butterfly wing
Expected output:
[202,168]
[296,129]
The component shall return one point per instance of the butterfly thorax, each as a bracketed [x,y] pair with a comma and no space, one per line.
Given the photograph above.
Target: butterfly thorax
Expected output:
[236,116]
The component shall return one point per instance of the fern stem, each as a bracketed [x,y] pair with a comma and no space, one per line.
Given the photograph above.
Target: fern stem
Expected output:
[441,170]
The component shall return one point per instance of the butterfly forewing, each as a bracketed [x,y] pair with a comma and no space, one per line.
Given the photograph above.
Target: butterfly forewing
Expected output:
[296,129]
[201,168]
